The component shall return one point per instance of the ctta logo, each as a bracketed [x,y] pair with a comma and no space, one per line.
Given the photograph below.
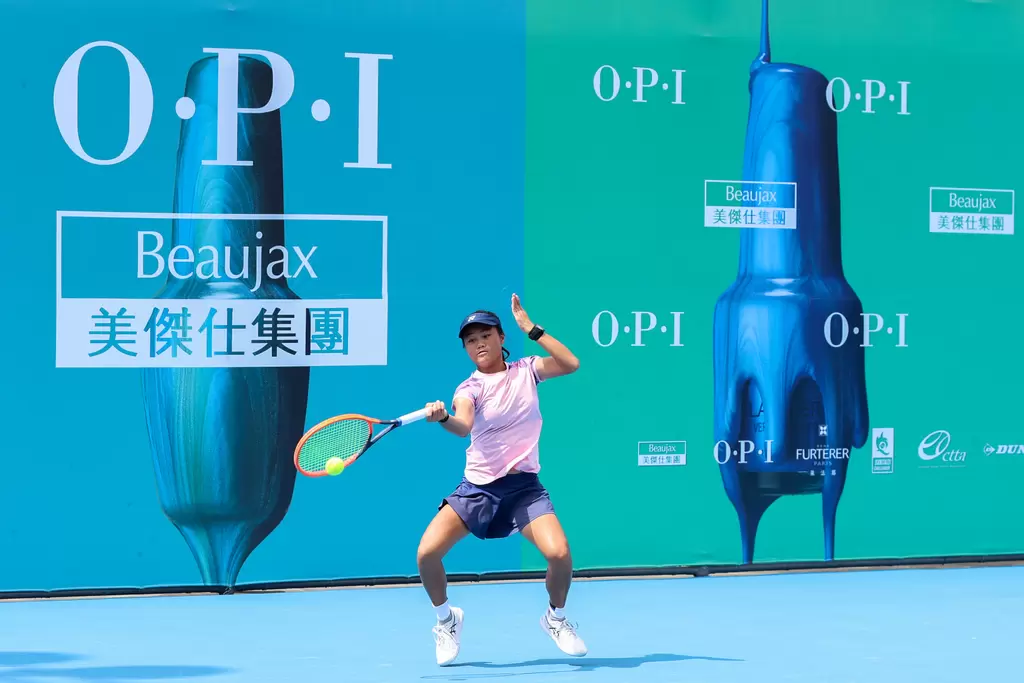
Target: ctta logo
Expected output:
[934,449]
[1004,449]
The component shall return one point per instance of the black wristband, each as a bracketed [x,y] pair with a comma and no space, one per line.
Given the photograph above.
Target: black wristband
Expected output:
[536,333]
[446,416]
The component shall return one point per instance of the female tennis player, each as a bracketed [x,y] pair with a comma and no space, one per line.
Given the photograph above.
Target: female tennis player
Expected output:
[501,493]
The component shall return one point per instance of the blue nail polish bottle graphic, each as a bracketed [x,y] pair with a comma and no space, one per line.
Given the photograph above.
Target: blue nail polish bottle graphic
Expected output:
[222,438]
[789,407]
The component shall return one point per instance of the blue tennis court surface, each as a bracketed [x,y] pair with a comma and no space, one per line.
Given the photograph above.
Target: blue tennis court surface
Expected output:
[955,625]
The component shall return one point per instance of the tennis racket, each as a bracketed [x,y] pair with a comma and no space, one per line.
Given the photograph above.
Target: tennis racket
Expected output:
[344,436]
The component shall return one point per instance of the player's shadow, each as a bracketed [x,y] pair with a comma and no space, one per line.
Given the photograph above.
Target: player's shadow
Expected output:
[23,665]
[583,664]
[35,658]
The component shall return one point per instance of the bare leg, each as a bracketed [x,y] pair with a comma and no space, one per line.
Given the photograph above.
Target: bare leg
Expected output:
[446,529]
[546,533]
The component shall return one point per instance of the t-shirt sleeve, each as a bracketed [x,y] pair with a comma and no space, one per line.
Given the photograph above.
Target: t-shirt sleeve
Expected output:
[469,389]
[531,363]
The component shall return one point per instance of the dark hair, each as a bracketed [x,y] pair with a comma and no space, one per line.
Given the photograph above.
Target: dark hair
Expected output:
[504,352]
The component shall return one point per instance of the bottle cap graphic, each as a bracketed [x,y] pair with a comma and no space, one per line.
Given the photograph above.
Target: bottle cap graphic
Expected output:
[792,137]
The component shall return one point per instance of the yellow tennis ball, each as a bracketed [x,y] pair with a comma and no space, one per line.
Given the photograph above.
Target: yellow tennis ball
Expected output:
[335,466]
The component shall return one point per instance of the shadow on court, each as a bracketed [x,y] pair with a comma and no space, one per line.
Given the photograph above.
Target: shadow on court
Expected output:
[35,658]
[23,665]
[460,673]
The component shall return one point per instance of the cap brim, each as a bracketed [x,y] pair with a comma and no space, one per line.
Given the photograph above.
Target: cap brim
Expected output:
[483,322]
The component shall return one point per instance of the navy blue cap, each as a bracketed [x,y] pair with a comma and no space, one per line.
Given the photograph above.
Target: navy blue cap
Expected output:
[486,319]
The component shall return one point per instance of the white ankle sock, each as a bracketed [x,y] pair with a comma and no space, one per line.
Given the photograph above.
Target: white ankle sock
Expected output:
[556,613]
[444,612]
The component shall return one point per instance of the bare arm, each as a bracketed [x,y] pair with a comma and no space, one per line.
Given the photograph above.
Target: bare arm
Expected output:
[561,360]
[459,424]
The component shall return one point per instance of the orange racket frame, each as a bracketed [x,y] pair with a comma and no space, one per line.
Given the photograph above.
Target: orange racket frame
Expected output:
[390,425]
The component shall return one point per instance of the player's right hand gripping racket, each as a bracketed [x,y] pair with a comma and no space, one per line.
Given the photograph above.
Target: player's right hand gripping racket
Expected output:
[344,436]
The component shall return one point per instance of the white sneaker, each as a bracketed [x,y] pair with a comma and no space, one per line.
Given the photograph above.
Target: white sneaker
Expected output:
[564,634]
[446,636]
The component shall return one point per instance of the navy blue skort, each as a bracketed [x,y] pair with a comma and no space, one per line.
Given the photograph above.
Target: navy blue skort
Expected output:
[502,507]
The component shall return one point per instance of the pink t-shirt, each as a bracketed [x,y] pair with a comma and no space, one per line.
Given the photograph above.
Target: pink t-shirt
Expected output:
[506,422]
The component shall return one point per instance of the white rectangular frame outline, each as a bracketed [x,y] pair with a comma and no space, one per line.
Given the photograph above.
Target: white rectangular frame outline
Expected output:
[752,182]
[640,443]
[1013,196]
[323,217]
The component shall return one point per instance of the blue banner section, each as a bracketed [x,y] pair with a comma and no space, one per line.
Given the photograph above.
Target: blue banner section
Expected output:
[399,127]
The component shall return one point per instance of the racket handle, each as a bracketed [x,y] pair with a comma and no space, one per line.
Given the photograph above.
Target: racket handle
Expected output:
[413,417]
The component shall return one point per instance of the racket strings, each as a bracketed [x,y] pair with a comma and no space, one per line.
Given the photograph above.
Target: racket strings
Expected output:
[341,439]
